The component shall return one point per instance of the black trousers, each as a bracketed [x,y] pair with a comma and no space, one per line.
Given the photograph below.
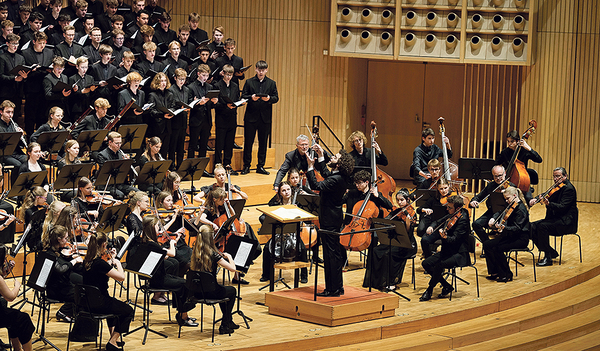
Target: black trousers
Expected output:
[198,140]
[334,257]
[427,241]
[18,323]
[495,257]
[226,307]
[541,231]
[121,309]
[436,264]
[480,224]
[224,145]
[250,130]
[176,146]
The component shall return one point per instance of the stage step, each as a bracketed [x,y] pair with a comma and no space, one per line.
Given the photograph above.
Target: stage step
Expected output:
[566,315]
[589,341]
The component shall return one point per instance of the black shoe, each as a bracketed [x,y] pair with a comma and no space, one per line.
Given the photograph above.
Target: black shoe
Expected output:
[426,296]
[545,262]
[111,347]
[4,345]
[554,254]
[262,170]
[246,170]
[236,146]
[185,323]
[240,281]
[208,148]
[508,278]
[304,280]
[208,175]
[232,325]
[156,302]
[232,172]
[325,293]
[318,259]
[492,277]
[120,343]
[61,316]
[223,329]
[445,291]
[264,279]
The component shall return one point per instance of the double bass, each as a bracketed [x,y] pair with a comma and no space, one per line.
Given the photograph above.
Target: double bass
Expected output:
[515,170]
[450,168]
[387,185]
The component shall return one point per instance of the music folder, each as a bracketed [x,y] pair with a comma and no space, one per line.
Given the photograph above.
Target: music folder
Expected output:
[240,248]
[146,261]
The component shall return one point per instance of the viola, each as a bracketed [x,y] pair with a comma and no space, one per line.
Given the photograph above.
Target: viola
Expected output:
[515,170]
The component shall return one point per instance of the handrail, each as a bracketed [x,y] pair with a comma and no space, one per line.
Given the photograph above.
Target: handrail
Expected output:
[316,122]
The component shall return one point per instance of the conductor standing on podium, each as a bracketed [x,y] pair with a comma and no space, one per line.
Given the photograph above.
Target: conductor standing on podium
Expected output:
[331,190]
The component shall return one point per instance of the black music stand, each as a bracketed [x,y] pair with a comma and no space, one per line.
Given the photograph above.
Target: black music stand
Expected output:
[133,134]
[111,219]
[240,248]
[38,280]
[398,236]
[69,175]
[8,144]
[476,169]
[423,195]
[26,181]
[145,263]
[153,172]
[52,142]
[115,171]
[192,169]
[91,139]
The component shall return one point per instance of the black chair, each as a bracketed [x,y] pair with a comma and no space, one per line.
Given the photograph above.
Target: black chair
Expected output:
[571,230]
[452,271]
[202,284]
[143,285]
[516,259]
[87,299]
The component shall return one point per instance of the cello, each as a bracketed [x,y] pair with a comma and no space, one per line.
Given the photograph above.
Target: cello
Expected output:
[516,170]
[238,226]
[388,184]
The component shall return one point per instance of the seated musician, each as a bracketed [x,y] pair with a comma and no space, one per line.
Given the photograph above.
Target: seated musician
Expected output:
[165,278]
[172,185]
[206,258]
[215,214]
[293,177]
[424,153]
[138,202]
[7,222]
[53,124]
[152,153]
[65,271]
[512,226]
[385,273]
[54,210]
[221,177]
[35,200]
[86,202]
[561,215]
[164,201]
[425,215]
[294,159]
[283,197]
[19,325]
[34,154]
[97,120]
[7,125]
[362,154]
[111,153]
[454,233]
[362,183]
[513,139]
[96,273]
[71,154]
[434,167]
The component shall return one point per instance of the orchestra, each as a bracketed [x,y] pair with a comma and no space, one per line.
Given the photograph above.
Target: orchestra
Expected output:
[174,83]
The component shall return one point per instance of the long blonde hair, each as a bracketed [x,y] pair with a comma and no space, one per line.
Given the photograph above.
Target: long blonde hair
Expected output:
[51,217]
[203,250]
[30,200]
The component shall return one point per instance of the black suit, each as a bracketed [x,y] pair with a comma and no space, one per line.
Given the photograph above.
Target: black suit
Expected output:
[226,122]
[33,88]
[258,117]
[102,72]
[332,190]
[158,125]
[55,98]
[9,87]
[178,124]
[293,159]
[200,120]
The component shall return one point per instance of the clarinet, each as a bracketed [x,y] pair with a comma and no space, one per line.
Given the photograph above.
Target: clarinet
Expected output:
[16,127]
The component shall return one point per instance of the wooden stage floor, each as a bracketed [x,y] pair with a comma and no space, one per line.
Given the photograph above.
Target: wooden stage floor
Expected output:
[270,332]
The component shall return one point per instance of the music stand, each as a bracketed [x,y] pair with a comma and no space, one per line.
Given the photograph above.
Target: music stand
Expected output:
[424,195]
[8,144]
[38,280]
[111,219]
[153,172]
[52,142]
[269,227]
[91,139]
[398,236]
[115,170]
[192,169]
[145,263]
[69,175]
[132,134]
[26,181]
[476,169]
[240,248]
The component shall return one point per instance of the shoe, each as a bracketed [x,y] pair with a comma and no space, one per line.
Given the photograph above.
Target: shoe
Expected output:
[391,287]
[61,316]
[232,325]
[554,254]
[185,323]
[324,293]
[232,172]
[545,262]
[111,347]
[262,170]
[236,146]
[445,291]
[264,279]
[318,260]
[240,281]
[192,319]
[304,280]
[492,277]
[120,343]
[159,302]
[208,175]
[506,279]
[426,296]
[335,293]
[246,170]
[208,148]
[223,329]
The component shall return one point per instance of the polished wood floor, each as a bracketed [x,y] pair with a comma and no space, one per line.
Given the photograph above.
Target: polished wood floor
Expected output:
[268,332]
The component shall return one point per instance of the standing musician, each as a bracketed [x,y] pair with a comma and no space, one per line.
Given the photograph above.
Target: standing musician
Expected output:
[179,122]
[527,153]
[425,215]
[454,233]
[19,325]
[424,153]
[96,273]
[283,197]
[512,226]
[331,191]
[114,152]
[53,124]
[132,91]
[434,167]
[7,125]
[221,182]
[561,214]
[49,82]
[206,258]
[152,153]
[362,154]
[65,271]
[200,118]
[159,123]
[384,272]
[294,159]
[164,200]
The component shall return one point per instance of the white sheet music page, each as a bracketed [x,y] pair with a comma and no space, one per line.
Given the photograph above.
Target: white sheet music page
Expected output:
[150,262]
[44,273]
[289,213]
[241,256]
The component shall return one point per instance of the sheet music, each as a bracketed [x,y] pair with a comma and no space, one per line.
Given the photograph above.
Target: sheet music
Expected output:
[289,213]
[44,273]
[150,262]
[241,256]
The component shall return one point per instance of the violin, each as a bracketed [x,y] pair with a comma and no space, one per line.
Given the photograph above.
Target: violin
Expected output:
[405,213]
[505,214]
[104,200]
[5,215]
[362,212]
[450,222]
[515,170]
[551,191]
